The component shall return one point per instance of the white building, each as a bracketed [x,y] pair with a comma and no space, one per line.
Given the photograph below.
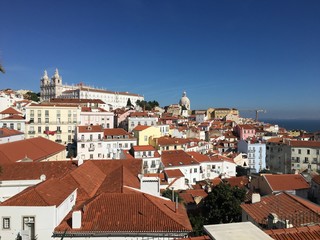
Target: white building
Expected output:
[10,135]
[256,153]
[55,89]
[94,142]
[96,116]
[141,118]
[150,158]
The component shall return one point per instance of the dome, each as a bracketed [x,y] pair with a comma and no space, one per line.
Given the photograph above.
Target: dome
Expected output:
[184,101]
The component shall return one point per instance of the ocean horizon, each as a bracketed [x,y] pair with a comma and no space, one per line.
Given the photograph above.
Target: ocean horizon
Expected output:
[308,125]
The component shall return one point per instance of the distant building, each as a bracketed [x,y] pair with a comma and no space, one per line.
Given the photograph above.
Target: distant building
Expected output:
[256,153]
[55,89]
[288,156]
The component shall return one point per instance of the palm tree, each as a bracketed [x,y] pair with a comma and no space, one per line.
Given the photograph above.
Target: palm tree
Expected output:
[2,69]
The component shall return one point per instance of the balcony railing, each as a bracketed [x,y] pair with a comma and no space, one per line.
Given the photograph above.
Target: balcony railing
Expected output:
[31,132]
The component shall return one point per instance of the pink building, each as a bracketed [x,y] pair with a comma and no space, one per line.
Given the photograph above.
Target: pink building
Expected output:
[245,131]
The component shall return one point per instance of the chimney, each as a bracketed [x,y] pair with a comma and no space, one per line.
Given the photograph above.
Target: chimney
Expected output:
[76,219]
[255,198]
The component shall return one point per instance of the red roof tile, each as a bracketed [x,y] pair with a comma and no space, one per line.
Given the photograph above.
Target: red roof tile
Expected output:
[33,170]
[177,158]
[36,149]
[140,128]
[10,111]
[49,193]
[297,233]
[7,132]
[115,132]
[90,128]
[297,210]
[284,182]
[137,212]
[143,148]
[174,173]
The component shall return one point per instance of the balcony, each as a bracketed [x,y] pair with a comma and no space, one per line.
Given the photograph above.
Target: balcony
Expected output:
[58,131]
[58,141]
[31,132]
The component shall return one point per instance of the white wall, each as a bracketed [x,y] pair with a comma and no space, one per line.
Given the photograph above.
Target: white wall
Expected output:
[44,220]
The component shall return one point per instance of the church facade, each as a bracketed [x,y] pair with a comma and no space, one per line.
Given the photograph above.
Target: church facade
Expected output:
[54,88]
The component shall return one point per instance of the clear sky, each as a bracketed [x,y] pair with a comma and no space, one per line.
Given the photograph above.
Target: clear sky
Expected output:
[248,54]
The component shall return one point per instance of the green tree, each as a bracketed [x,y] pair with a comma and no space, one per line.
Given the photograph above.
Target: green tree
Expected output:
[168,194]
[129,104]
[32,96]
[222,205]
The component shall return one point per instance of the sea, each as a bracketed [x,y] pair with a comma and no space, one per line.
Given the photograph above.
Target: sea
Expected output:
[308,125]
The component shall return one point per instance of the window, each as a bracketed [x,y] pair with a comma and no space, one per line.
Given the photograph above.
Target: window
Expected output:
[6,223]
[39,129]
[11,125]
[146,138]
[195,170]
[299,151]
[19,126]
[308,151]
[47,113]
[4,125]
[82,145]
[47,120]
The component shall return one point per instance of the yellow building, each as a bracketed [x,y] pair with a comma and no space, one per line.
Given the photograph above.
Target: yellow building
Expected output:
[144,134]
[56,122]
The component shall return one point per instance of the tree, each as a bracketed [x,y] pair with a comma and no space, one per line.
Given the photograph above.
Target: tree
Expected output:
[32,96]
[168,194]
[147,105]
[222,205]
[129,104]
[2,69]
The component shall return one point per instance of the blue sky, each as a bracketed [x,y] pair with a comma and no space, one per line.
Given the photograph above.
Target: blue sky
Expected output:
[245,54]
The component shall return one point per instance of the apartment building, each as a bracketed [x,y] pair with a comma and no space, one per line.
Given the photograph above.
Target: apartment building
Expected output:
[256,153]
[287,156]
[94,142]
[56,122]
[141,118]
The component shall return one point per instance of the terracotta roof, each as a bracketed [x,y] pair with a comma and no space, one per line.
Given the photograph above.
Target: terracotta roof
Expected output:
[48,193]
[163,141]
[246,126]
[76,100]
[177,158]
[37,149]
[14,117]
[316,179]
[199,157]
[115,132]
[284,182]
[7,132]
[143,148]
[140,128]
[296,233]
[90,128]
[33,170]
[305,144]
[137,212]
[139,114]
[10,111]
[237,181]
[287,206]
[174,173]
